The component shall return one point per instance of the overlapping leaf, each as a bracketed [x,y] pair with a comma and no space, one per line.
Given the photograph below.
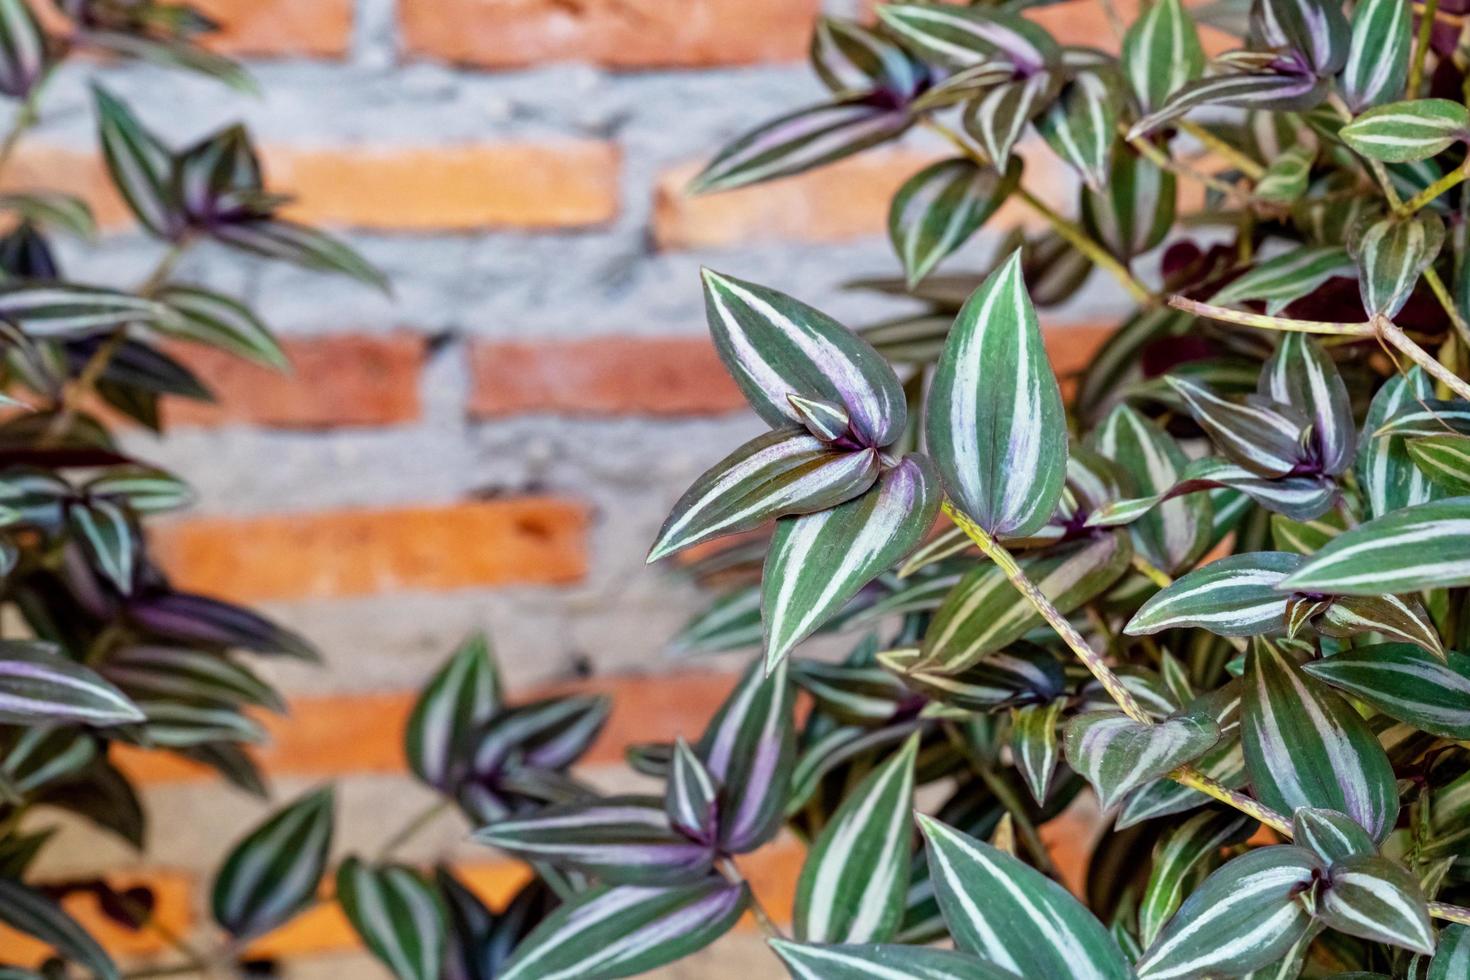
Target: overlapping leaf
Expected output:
[748,749]
[273,873]
[1378,56]
[882,962]
[1419,547]
[938,209]
[1403,132]
[1161,53]
[397,915]
[1379,900]
[1235,596]
[39,685]
[1404,682]
[1179,854]
[1391,254]
[1117,754]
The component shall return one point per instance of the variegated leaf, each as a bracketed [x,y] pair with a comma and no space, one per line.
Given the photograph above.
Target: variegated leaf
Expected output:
[140,165]
[938,209]
[1330,835]
[1117,754]
[1301,374]
[1445,459]
[818,562]
[1305,537]
[1081,125]
[1421,547]
[1395,617]
[1427,417]
[210,676]
[857,869]
[1012,915]
[777,474]
[1285,180]
[397,915]
[961,37]
[1403,132]
[23,54]
[800,141]
[852,60]
[1136,209]
[1256,433]
[40,685]
[1378,57]
[216,320]
[1245,916]
[1162,53]
[775,346]
[1385,471]
[748,749]
[1235,596]
[1282,280]
[995,422]
[1177,858]
[1306,746]
[456,702]
[1404,682]
[1252,90]
[1376,899]
[1020,673]
[273,873]
[626,930]
[1452,957]
[1314,29]
[1391,254]
[882,962]
[999,116]
[31,913]
[1035,744]
[60,310]
[691,799]
[856,695]
[731,622]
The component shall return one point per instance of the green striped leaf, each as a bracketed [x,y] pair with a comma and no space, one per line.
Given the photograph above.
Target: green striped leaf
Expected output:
[857,869]
[1134,212]
[1391,254]
[1012,915]
[1404,682]
[397,915]
[55,209]
[1225,763]
[691,798]
[1081,125]
[32,913]
[801,141]
[1235,596]
[1285,180]
[1035,746]
[828,421]
[1302,375]
[106,531]
[999,116]
[939,208]
[1245,916]
[1255,433]
[1117,754]
[818,562]
[961,37]
[1305,537]
[853,60]
[1161,53]
[731,622]
[39,685]
[309,248]
[1385,470]
[626,930]
[456,703]
[985,613]
[1281,281]
[211,318]
[995,423]
[1330,835]
[1402,132]
[1395,617]
[1316,30]
[1376,899]
[1177,532]
[1430,417]
[1306,746]
[1421,547]
[1020,673]
[879,962]
[775,346]
[1378,58]
[150,671]
[145,491]
[1452,958]
[748,749]
[273,873]
[140,165]
[854,695]
[1445,459]
[1178,858]
[776,474]
[57,310]
[1253,90]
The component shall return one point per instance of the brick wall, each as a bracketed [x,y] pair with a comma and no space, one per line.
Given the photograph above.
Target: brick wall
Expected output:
[494,445]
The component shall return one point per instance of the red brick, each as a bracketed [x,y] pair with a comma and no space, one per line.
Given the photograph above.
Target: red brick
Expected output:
[342,380]
[315,28]
[173,911]
[601,376]
[370,552]
[615,33]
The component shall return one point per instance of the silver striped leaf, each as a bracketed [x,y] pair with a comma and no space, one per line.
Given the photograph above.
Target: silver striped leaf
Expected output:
[140,165]
[1330,835]
[1314,29]
[459,699]
[1253,90]
[273,873]
[1021,672]
[857,870]
[818,562]
[309,248]
[397,915]
[58,310]
[1259,434]
[23,54]
[1426,418]
[626,930]
[1116,754]
[1286,278]
[54,209]
[1378,57]
[1452,957]
[209,676]
[852,60]
[805,961]
[175,724]
[962,37]
[828,421]
[748,749]
[854,695]
[731,622]
[1306,746]
[1035,745]
[1179,858]
[39,685]
[1404,132]
[775,346]
[939,208]
[1177,533]
[801,141]
[218,321]
[1012,915]
[1136,209]
[1445,459]
[995,424]
[1376,899]
[1406,683]
[1391,254]
[1235,596]
[776,474]
[621,840]
[1244,917]
[1116,361]
[1285,180]
[1301,374]
[999,116]
[1081,125]
[691,798]
[830,751]
[1386,473]
[1421,547]
[1162,53]
[1394,617]
[145,491]
[1305,537]
[30,912]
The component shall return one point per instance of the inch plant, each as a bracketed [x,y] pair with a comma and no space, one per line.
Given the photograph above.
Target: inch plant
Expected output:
[1221,588]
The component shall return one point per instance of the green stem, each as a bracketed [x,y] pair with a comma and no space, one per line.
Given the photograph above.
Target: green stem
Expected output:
[412,829]
[1421,50]
[1447,303]
[1400,341]
[1450,180]
[1222,149]
[1007,797]
[1163,161]
[1227,315]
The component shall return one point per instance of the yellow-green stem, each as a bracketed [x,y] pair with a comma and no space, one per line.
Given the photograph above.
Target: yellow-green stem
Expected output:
[1246,319]
[1450,180]
[1222,149]
[1447,303]
[1400,341]
[1421,48]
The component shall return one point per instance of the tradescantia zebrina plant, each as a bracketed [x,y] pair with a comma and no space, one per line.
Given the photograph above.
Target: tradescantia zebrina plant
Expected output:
[1221,588]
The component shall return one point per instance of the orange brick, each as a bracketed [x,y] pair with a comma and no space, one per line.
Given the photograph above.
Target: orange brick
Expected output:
[342,380]
[173,910]
[319,28]
[601,376]
[615,33]
[37,166]
[369,552]
[555,184]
